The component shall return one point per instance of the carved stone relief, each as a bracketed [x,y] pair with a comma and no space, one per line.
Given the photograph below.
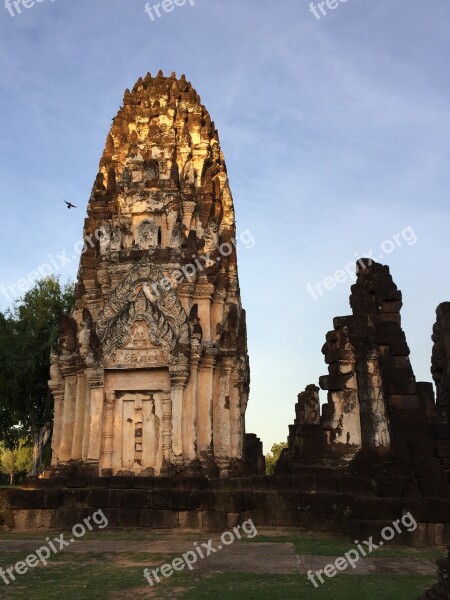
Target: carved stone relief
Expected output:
[147,234]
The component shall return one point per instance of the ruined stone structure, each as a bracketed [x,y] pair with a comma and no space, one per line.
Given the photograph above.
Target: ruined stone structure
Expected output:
[152,373]
[376,411]
[377,452]
[440,361]
[440,369]
[254,454]
[305,438]
[151,377]
[370,382]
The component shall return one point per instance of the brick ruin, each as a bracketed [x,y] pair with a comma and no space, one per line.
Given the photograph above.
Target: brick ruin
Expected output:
[377,450]
[152,374]
[378,423]
[374,404]
[440,360]
[151,378]
[376,411]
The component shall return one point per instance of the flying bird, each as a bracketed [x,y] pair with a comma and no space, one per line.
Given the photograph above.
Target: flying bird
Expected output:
[69,205]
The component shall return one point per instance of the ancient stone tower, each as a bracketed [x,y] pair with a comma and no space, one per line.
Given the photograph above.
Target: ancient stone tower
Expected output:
[375,405]
[152,375]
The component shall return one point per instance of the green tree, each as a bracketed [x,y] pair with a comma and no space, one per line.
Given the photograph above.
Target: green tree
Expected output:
[27,335]
[8,432]
[14,462]
[273,456]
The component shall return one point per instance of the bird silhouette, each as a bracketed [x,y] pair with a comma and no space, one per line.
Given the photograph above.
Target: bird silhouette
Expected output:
[69,205]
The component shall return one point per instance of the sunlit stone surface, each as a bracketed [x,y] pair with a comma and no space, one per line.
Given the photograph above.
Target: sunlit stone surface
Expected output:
[152,375]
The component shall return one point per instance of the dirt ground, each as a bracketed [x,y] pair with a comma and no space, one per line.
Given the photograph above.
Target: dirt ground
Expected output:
[247,556]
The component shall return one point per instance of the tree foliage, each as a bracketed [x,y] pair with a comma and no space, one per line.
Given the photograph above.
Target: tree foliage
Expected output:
[27,335]
[17,461]
[273,456]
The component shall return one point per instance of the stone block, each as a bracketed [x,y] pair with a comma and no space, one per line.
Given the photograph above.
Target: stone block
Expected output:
[260,482]
[420,509]
[136,499]
[190,519]
[325,482]
[363,529]
[146,518]
[390,488]
[214,521]
[280,482]
[54,498]
[433,488]
[25,499]
[76,482]
[26,520]
[259,517]
[113,516]
[190,484]
[442,448]
[440,510]
[422,537]
[121,482]
[161,499]
[233,519]
[355,485]
[163,483]
[99,498]
[304,482]
[181,500]
[377,508]
[129,517]
[442,534]
[117,497]
[199,500]
[165,519]
[143,483]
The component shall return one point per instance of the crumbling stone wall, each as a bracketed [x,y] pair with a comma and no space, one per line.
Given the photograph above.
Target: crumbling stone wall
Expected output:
[440,360]
[375,408]
[254,454]
[318,499]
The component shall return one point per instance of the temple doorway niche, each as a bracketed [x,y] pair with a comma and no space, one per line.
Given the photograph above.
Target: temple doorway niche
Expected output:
[141,420]
[138,444]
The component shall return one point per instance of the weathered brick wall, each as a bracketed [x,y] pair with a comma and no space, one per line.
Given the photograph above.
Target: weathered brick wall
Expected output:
[317,500]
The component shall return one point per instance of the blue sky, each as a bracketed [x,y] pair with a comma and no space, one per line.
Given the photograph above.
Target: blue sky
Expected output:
[335,132]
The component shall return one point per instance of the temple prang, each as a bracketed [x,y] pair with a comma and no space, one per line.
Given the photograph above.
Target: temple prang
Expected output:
[152,373]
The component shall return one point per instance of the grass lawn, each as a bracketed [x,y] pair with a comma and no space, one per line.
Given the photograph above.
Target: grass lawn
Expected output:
[287,587]
[320,544]
[120,576]
[337,545]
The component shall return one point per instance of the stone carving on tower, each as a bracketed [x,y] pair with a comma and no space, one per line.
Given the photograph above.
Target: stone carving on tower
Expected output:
[151,376]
